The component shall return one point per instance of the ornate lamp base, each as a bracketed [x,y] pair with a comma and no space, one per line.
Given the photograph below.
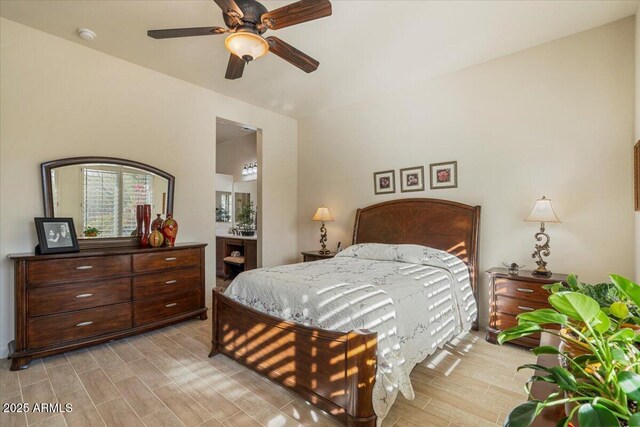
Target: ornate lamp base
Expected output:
[540,251]
[323,240]
[541,272]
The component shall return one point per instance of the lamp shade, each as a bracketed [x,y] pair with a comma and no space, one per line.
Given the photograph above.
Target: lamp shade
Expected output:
[246,45]
[322,214]
[543,212]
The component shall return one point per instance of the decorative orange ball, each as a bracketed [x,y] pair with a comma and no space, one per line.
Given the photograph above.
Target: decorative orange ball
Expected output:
[156,239]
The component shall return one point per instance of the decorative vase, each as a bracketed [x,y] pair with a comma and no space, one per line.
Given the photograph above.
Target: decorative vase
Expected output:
[156,239]
[157,223]
[146,217]
[169,230]
[139,219]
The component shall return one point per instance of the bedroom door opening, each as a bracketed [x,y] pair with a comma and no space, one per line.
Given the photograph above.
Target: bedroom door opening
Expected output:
[238,199]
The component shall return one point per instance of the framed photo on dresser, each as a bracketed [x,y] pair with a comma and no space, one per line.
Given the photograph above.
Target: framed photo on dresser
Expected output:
[56,235]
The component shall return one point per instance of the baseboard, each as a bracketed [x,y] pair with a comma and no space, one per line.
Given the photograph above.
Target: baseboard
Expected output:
[4,352]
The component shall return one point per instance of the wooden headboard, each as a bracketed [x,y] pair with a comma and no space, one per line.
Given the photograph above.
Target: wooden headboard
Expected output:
[441,224]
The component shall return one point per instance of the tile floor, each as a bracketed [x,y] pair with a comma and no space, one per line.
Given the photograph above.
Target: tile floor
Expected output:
[164,378]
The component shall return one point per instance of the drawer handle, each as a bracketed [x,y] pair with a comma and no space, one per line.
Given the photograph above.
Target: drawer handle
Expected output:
[172,258]
[525,290]
[170,282]
[84,267]
[525,308]
[84,295]
[173,304]
[84,324]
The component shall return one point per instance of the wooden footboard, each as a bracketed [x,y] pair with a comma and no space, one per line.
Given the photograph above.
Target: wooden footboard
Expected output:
[333,370]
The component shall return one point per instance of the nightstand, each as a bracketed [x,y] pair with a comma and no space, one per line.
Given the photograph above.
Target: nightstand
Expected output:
[512,295]
[315,256]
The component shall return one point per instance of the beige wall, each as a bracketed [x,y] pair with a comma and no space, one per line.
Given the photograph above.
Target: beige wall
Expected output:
[553,120]
[60,99]
[637,135]
[232,155]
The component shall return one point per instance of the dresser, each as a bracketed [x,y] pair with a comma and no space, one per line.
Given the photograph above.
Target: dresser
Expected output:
[67,301]
[515,294]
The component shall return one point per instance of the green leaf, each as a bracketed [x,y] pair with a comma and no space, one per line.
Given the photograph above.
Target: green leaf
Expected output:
[533,366]
[577,306]
[545,349]
[620,356]
[546,379]
[627,287]
[523,415]
[522,330]
[553,287]
[596,416]
[634,420]
[564,378]
[563,422]
[619,309]
[623,335]
[543,316]
[602,323]
[630,384]
[572,281]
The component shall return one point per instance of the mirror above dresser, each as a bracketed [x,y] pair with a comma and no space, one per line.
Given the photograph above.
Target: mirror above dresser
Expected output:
[101,195]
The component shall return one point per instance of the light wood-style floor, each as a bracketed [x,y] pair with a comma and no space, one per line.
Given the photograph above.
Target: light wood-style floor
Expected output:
[165,378]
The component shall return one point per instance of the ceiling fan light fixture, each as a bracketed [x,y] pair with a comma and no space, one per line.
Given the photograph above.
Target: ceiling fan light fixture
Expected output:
[247,46]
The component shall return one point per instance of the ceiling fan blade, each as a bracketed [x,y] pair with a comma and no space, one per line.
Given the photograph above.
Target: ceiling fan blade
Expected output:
[297,13]
[235,67]
[292,55]
[185,32]
[229,5]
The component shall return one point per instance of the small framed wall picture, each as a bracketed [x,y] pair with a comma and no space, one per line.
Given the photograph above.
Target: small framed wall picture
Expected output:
[444,175]
[56,235]
[412,179]
[384,182]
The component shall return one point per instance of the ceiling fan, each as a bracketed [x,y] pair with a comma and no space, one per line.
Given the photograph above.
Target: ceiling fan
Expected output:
[247,20]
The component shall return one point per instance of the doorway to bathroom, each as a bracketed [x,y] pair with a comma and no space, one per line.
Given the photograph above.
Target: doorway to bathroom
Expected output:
[237,199]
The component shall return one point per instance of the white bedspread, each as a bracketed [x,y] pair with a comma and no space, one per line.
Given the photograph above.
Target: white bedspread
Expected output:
[416,299]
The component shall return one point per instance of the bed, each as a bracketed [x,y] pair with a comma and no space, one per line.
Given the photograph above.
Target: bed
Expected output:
[336,368]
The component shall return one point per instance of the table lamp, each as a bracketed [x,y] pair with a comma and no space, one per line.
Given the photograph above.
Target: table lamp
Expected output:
[322,214]
[542,212]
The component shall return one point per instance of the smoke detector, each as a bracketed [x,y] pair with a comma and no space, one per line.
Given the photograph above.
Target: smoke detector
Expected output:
[86,34]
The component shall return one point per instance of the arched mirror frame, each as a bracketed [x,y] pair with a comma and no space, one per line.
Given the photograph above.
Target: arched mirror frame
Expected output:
[100,242]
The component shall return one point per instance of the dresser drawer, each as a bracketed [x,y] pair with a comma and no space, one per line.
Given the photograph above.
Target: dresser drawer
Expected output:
[77,296]
[515,306]
[167,282]
[161,308]
[67,270]
[57,328]
[165,260]
[520,289]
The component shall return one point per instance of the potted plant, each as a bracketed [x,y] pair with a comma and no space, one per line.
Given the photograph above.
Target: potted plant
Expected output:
[245,219]
[600,387]
[91,232]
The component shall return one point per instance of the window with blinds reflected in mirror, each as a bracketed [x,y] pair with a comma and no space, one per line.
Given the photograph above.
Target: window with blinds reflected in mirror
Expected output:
[104,197]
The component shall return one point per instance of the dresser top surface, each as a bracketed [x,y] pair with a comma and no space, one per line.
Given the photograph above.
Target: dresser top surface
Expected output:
[526,275]
[31,256]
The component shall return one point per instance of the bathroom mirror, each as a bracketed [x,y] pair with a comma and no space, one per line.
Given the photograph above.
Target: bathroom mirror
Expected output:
[101,195]
[224,206]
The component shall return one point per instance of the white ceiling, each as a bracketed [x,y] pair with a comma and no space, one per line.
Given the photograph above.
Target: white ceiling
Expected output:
[365,48]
